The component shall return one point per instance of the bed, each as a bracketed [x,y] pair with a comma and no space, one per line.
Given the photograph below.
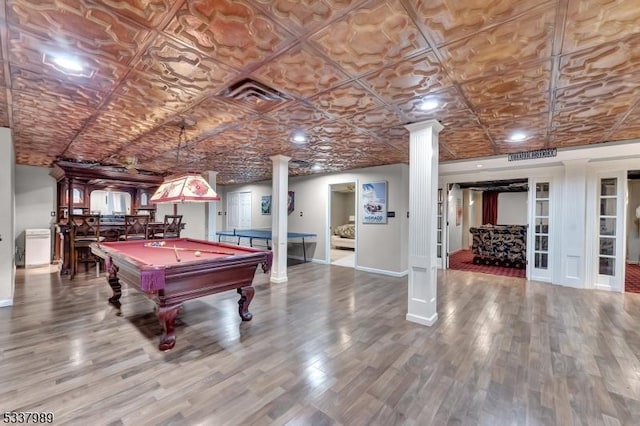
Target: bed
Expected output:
[343,236]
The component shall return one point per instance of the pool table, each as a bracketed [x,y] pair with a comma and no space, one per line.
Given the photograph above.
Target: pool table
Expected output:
[174,270]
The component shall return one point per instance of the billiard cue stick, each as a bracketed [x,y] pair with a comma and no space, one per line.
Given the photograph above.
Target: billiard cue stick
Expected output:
[190,249]
[175,250]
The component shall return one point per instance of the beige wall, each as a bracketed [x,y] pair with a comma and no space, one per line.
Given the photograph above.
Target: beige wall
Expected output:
[35,199]
[342,206]
[512,208]
[380,248]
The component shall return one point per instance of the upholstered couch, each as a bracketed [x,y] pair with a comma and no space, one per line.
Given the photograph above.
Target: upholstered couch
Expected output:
[343,236]
[500,244]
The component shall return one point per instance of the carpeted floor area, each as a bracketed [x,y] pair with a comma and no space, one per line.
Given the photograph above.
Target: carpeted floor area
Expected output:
[632,278]
[462,260]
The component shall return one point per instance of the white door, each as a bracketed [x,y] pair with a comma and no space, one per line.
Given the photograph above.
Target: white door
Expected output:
[540,243]
[609,235]
[239,210]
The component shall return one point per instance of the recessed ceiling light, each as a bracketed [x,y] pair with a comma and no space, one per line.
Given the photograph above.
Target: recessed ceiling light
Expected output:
[299,137]
[68,63]
[428,104]
[517,136]
[316,167]
[478,165]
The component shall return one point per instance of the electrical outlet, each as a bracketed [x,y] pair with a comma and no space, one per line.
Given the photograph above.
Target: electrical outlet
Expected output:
[300,214]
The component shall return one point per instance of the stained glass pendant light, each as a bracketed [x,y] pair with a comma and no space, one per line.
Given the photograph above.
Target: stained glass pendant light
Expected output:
[188,187]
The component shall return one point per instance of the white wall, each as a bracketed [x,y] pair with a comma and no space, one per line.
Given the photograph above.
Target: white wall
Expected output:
[7,213]
[633,224]
[512,208]
[472,214]
[455,230]
[35,193]
[194,216]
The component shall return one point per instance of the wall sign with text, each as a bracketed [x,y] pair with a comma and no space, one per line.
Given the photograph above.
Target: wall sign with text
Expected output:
[531,155]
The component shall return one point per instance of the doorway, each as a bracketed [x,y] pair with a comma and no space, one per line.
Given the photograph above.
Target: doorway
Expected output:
[632,233]
[474,247]
[342,224]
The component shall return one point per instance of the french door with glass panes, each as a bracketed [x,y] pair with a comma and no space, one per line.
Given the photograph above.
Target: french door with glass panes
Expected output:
[540,244]
[440,236]
[609,235]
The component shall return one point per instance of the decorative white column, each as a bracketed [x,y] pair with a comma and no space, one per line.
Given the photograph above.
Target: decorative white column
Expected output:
[211,210]
[279,194]
[423,202]
[7,237]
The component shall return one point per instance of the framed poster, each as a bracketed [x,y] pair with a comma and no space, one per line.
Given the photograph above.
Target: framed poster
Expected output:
[265,204]
[374,202]
[458,211]
[290,202]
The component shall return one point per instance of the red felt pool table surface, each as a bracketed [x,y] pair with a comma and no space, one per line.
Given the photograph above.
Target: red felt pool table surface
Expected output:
[168,281]
[146,253]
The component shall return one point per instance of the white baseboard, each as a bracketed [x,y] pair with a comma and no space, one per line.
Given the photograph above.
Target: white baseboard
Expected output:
[573,284]
[383,272]
[278,280]
[605,288]
[6,302]
[423,320]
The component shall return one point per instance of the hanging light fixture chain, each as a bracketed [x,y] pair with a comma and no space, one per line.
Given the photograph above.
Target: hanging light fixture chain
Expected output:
[180,137]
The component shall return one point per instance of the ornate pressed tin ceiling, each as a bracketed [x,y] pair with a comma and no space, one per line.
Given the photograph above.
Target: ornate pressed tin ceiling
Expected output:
[349,74]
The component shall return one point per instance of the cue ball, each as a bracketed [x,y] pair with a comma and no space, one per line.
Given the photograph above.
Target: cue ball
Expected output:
[197,254]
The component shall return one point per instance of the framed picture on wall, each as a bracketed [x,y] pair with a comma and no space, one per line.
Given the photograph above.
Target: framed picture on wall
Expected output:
[374,202]
[265,204]
[458,211]
[290,202]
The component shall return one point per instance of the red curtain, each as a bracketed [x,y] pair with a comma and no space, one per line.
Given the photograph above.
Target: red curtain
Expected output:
[489,207]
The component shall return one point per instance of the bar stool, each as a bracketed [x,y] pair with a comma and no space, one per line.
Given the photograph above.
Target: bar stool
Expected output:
[85,229]
[172,227]
[136,227]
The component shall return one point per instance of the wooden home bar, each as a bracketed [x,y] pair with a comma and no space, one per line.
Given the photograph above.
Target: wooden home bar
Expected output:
[110,192]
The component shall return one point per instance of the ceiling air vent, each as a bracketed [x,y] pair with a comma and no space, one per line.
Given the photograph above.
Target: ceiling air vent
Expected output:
[249,89]
[294,164]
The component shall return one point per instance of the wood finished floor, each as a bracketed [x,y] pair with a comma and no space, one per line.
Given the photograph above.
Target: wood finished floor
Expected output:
[331,346]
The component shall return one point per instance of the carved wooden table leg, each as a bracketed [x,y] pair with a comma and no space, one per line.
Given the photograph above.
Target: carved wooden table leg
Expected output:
[246,295]
[115,285]
[167,317]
